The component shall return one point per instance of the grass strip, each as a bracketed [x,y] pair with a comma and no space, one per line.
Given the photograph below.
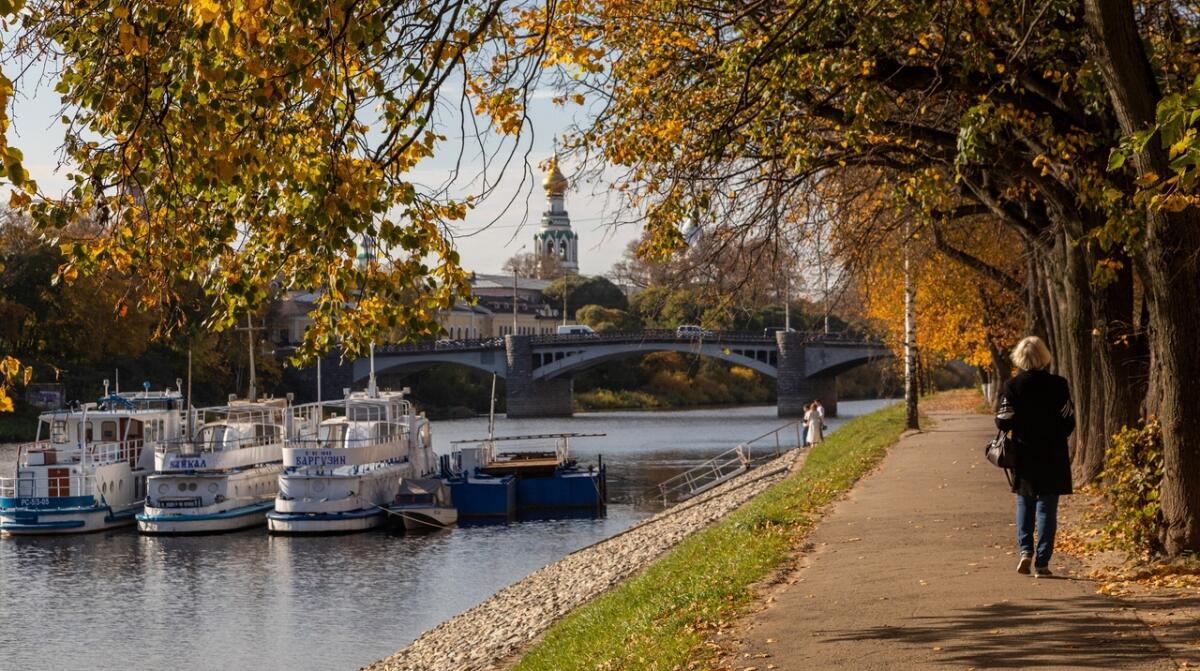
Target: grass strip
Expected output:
[659,618]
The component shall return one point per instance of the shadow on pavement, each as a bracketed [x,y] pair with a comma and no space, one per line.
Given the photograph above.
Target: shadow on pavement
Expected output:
[1090,631]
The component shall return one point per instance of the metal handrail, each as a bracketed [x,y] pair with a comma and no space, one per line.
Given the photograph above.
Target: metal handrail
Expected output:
[76,484]
[350,444]
[182,445]
[115,452]
[728,464]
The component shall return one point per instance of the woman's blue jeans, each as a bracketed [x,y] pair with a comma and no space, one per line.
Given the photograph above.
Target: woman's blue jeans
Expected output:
[1044,508]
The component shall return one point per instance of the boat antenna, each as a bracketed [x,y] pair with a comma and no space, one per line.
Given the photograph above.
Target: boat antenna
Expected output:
[371,390]
[492,411]
[318,381]
[117,376]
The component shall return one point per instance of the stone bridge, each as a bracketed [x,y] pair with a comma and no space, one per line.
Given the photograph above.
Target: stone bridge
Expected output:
[538,370]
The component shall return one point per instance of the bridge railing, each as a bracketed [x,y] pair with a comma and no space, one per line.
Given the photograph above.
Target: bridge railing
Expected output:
[648,335]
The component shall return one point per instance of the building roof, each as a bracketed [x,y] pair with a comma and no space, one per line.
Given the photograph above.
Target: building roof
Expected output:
[489,281]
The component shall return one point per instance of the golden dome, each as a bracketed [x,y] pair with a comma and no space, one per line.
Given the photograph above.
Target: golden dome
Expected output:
[555,183]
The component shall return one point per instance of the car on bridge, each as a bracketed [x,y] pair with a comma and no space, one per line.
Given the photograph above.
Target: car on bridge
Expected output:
[575,329]
[691,331]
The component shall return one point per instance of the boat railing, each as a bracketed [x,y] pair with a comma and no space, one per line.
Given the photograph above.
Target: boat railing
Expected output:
[311,442]
[115,452]
[186,447]
[730,463]
[32,487]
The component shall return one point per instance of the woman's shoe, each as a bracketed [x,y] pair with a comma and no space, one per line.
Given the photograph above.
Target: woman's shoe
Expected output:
[1024,564]
[1042,572]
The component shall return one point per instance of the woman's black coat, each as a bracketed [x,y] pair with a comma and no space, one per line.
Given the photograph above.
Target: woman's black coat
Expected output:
[1036,406]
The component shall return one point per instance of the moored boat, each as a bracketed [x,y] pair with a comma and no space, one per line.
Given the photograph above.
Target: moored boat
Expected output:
[86,469]
[501,475]
[345,464]
[224,477]
[423,504]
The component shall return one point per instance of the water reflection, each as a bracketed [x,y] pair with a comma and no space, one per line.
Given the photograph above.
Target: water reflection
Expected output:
[117,600]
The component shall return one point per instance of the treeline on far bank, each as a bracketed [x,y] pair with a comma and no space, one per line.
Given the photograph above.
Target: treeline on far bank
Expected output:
[78,335]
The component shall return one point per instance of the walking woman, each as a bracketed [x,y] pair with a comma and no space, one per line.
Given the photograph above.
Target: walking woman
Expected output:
[1036,407]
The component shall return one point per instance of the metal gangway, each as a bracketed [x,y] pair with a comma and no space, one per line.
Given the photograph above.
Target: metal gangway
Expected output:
[730,463]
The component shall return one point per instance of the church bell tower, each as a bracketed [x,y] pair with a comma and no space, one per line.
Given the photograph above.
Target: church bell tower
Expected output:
[555,236]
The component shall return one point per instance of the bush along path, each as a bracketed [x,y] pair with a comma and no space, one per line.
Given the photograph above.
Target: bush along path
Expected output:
[661,614]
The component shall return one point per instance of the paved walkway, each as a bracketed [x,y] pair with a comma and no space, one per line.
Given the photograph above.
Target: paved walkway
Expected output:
[916,570]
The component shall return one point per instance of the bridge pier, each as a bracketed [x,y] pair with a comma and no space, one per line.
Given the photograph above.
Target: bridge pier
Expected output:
[526,397]
[793,388]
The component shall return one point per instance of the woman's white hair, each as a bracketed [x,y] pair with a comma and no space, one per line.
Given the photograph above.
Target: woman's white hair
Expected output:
[1031,354]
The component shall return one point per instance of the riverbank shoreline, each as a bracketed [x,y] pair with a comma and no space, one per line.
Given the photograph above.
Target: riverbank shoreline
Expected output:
[533,610]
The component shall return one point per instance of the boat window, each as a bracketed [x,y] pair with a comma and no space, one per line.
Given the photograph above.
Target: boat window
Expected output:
[213,437]
[266,433]
[108,431]
[333,435]
[58,431]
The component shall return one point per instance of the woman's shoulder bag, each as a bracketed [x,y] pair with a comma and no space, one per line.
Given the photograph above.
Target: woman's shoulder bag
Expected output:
[999,451]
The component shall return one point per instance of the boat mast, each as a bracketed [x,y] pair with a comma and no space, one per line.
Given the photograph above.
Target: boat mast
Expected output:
[188,411]
[492,411]
[250,328]
[372,391]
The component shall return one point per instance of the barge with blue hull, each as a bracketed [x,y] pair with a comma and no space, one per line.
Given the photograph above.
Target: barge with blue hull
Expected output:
[222,478]
[88,473]
[504,476]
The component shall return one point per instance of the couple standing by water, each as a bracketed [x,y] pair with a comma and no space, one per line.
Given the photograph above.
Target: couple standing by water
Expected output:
[814,423]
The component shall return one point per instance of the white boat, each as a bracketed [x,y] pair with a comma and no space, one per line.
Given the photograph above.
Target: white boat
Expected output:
[87,468]
[222,478]
[423,505]
[346,463]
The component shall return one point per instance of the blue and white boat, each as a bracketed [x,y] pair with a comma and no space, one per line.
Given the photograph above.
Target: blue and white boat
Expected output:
[346,464]
[86,470]
[222,478]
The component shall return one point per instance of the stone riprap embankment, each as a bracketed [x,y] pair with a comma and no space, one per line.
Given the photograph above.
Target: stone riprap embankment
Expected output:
[495,630]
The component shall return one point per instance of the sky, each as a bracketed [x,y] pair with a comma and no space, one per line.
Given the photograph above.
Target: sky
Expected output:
[484,246]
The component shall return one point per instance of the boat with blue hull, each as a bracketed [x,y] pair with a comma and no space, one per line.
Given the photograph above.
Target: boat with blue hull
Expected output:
[222,478]
[503,476]
[87,467]
[347,461]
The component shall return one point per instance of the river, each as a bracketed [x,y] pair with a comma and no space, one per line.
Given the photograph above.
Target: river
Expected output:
[120,601]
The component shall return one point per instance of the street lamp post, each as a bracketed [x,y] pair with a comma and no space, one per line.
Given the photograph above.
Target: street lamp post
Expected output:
[564,278]
[516,267]
[787,301]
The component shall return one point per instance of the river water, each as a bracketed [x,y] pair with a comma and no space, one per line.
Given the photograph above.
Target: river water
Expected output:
[120,601]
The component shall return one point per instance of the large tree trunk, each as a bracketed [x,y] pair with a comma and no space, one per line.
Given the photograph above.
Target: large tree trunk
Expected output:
[1171,272]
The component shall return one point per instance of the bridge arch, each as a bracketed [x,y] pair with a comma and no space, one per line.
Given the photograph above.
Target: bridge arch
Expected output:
[488,361]
[554,362]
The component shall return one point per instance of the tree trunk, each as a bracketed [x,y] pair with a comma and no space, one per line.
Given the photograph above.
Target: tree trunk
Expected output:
[1171,272]
[910,342]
